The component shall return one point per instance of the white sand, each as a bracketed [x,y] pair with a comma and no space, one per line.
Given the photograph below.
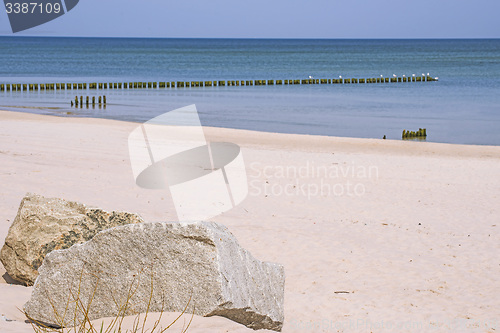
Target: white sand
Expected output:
[414,237]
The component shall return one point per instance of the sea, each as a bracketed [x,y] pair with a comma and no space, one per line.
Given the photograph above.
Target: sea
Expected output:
[462,107]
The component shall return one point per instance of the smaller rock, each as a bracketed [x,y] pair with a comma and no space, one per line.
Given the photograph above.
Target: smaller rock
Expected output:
[46,224]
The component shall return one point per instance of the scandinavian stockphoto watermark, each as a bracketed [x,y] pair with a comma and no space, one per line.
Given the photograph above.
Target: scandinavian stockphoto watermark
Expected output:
[206,179]
[170,151]
[26,14]
[309,179]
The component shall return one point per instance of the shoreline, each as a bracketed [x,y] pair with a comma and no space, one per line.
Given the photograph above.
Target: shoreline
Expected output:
[279,140]
[68,113]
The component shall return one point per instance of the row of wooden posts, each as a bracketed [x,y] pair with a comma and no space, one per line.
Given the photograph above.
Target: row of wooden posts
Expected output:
[421,133]
[183,84]
[102,100]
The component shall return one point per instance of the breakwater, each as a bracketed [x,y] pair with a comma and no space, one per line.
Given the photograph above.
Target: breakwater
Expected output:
[216,83]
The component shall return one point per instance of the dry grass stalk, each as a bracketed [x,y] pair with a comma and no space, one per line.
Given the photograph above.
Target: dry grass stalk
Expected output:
[85,325]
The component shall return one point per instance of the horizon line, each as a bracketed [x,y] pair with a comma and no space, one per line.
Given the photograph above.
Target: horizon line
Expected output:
[262,38]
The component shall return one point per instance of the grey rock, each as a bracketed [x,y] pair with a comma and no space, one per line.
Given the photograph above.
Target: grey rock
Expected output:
[46,224]
[198,264]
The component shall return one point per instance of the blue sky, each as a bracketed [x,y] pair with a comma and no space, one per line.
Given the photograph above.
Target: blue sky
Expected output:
[274,19]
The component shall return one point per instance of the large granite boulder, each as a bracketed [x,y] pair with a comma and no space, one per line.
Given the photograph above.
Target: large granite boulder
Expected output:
[46,224]
[169,265]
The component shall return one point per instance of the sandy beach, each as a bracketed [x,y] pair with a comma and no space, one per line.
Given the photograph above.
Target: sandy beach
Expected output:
[374,235]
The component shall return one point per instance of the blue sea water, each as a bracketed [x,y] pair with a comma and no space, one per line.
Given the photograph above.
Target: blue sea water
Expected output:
[462,107]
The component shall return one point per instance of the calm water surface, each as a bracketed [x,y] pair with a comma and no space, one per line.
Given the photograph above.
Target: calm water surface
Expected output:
[462,107]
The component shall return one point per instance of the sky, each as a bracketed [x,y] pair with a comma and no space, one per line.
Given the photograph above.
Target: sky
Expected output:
[273,19]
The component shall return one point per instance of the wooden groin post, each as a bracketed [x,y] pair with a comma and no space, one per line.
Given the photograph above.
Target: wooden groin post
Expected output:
[421,133]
